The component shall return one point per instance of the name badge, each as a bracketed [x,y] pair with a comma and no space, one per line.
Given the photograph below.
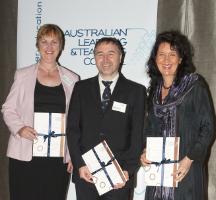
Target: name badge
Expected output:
[117,106]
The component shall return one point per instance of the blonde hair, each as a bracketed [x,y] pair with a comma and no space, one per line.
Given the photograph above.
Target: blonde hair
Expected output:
[50,30]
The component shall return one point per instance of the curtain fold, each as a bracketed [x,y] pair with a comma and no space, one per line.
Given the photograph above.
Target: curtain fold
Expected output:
[197,20]
[8,23]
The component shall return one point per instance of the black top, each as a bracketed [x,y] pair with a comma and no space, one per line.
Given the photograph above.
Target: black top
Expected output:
[49,99]
[195,127]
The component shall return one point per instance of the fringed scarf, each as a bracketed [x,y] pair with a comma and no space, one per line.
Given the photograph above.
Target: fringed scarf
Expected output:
[167,113]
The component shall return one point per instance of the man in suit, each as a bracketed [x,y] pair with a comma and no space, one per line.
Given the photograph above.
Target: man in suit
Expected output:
[94,116]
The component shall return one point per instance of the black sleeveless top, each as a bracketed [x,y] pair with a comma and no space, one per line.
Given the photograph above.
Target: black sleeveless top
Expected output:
[49,99]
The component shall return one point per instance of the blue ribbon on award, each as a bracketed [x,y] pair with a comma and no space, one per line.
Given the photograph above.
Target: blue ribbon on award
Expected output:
[51,134]
[163,161]
[103,166]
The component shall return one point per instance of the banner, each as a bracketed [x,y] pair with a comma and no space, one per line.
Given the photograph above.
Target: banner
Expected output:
[83,22]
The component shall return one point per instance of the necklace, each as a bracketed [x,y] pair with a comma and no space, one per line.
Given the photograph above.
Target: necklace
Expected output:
[166,88]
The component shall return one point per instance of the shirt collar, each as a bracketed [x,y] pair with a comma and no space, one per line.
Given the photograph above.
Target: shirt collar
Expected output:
[112,86]
[114,80]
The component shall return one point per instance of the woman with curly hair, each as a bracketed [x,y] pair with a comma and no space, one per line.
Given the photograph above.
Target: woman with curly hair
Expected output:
[179,105]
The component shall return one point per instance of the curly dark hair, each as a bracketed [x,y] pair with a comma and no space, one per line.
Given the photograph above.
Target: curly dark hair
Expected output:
[183,47]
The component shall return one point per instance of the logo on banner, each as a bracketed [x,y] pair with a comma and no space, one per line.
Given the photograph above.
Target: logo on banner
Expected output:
[83,42]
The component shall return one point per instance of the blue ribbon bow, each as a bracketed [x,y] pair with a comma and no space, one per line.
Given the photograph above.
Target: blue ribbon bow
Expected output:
[50,135]
[103,166]
[163,161]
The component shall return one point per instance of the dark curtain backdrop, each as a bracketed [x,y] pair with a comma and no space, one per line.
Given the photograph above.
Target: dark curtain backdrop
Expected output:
[8,29]
[195,18]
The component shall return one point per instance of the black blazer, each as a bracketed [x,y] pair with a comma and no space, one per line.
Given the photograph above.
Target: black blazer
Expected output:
[87,125]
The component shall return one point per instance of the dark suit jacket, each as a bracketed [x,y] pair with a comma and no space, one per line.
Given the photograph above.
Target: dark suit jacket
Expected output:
[87,125]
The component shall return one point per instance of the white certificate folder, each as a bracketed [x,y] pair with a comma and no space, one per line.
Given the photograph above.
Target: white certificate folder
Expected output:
[50,141]
[104,168]
[164,154]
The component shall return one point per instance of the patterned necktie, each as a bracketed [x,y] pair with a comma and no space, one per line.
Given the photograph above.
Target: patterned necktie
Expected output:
[106,95]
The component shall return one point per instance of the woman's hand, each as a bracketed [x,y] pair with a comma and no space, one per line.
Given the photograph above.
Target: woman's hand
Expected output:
[143,159]
[184,167]
[70,167]
[28,133]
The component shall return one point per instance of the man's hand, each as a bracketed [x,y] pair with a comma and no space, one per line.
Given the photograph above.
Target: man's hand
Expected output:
[85,174]
[121,185]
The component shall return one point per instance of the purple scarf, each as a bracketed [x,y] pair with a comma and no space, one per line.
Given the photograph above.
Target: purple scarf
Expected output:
[167,113]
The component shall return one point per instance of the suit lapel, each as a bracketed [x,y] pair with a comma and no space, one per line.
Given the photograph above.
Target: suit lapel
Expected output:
[67,83]
[118,87]
[96,94]
[29,88]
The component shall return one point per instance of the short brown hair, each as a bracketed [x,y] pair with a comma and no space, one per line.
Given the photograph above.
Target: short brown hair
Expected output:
[110,40]
[114,41]
[50,29]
